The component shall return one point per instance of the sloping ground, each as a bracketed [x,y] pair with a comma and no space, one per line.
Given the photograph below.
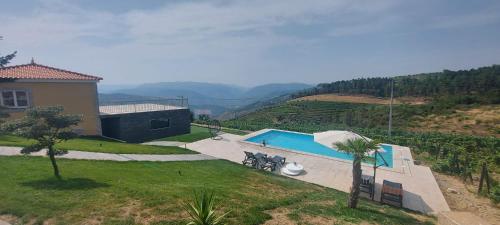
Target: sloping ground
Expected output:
[464,199]
[105,192]
[362,99]
[482,120]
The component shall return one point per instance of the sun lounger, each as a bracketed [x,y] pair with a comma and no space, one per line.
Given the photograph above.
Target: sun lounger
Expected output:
[249,159]
[392,192]
[367,185]
[260,160]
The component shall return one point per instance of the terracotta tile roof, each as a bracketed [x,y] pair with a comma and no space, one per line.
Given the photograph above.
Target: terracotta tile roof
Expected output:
[37,71]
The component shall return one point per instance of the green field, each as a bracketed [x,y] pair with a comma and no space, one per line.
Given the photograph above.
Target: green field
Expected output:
[97,144]
[198,133]
[105,192]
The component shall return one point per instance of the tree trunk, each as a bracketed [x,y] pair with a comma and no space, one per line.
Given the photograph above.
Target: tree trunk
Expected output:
[356,179]
[54,164]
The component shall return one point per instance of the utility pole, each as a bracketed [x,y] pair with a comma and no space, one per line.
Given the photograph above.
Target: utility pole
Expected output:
[390,108]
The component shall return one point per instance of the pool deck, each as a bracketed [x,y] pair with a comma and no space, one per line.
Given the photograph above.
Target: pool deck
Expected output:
[421,191]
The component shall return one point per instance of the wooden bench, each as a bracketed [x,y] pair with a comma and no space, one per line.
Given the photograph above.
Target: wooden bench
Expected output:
[392,192]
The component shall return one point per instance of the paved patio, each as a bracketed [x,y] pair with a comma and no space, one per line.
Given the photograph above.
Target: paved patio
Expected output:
[421,192]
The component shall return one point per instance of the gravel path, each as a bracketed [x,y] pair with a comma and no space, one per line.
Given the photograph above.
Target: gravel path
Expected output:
[11,151]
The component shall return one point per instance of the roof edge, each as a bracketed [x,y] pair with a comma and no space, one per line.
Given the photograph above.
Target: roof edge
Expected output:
[96,78]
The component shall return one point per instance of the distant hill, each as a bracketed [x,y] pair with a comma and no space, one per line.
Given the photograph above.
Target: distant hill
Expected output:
[110,98]
[273,90]
[216,98]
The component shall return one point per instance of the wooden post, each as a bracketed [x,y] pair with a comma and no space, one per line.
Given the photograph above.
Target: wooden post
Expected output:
[481,181]
[484,175]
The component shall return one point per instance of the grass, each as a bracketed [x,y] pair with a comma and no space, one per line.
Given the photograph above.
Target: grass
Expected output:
[105,192]
[199,133]
[97,144]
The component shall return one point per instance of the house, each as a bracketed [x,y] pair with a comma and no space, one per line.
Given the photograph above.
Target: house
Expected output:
[30,85]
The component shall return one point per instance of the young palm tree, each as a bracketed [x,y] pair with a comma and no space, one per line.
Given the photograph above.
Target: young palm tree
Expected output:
[358,148]
[202,210]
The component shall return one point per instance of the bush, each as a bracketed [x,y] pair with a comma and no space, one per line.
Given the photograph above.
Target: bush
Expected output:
[442,166]
[495,194]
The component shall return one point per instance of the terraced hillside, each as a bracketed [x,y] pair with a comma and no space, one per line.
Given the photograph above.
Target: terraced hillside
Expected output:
[339,115]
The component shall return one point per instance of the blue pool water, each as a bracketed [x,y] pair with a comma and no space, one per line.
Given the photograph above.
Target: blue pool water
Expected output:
[305,143]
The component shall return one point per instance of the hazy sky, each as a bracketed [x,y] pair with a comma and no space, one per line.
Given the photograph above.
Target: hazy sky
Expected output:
[248,42]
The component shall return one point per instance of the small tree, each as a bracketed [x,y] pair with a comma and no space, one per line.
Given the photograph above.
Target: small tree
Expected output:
[48,126]
[4,60]
[358,148]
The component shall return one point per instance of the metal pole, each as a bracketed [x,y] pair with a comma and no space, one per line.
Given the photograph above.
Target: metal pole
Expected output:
[390,108]
[374,175]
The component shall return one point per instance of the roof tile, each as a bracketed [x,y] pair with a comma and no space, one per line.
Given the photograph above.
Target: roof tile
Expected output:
[37,71]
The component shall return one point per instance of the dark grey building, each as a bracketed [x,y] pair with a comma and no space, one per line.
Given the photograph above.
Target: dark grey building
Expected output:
[144,122]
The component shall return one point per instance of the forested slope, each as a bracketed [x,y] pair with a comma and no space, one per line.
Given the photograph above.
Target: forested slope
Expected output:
[481,85]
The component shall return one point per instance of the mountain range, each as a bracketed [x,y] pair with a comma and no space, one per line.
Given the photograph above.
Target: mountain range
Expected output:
[216,98]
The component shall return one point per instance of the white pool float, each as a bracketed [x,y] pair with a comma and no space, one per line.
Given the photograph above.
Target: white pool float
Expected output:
[292,169]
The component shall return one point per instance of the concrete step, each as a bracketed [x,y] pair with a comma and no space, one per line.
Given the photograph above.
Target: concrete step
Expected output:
[460,218]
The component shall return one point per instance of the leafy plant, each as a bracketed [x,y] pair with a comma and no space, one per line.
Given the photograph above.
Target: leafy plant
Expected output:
[495,194]
[202,209]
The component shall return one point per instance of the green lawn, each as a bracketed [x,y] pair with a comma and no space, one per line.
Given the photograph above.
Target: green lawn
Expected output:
[105,192]
[96,144]
[199,133]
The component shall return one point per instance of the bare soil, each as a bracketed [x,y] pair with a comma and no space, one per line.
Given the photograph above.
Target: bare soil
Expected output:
[466,199]
[362,99]
[483,120]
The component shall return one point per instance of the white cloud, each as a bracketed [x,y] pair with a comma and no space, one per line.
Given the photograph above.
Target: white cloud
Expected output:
[220,41]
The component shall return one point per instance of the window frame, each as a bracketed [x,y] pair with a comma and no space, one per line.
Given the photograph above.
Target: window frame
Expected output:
[161,128]
[14,94]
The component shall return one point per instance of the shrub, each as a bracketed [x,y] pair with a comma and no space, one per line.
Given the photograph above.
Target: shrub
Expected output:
[495,194]
[442,166]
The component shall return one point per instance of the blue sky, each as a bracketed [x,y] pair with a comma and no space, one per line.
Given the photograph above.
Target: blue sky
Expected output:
[247,42]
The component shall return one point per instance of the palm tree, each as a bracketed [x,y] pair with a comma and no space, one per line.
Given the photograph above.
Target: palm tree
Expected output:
[358,148]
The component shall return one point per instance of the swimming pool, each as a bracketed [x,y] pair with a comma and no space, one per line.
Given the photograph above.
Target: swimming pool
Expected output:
[305,143]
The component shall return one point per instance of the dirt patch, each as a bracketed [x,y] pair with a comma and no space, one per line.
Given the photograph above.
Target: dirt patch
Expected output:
[141,215]
[51,221]
[9,218]
[280,217]
[484,120]
[465,198]
[362,99]
[318,220]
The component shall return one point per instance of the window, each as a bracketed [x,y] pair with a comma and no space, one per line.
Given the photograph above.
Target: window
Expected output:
[156,124]
[14,99]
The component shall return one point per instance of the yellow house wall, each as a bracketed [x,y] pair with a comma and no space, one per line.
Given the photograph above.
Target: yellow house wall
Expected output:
[76,98]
